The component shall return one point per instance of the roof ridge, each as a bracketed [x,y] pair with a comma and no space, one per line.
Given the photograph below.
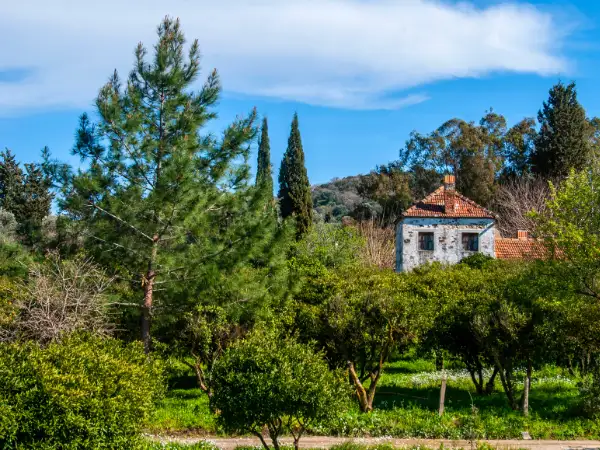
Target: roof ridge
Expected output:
[434,200]
[468,200]
[414,205]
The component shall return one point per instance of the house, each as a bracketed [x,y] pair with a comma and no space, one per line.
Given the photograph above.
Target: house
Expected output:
[446,227]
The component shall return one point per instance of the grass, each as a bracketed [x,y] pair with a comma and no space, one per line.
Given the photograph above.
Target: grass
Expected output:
[406,406]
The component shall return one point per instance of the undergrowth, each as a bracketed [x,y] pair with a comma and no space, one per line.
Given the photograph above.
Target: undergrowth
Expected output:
[406,406]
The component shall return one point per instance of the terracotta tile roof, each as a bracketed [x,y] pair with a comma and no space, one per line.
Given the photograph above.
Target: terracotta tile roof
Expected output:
[435,205]
[520,249]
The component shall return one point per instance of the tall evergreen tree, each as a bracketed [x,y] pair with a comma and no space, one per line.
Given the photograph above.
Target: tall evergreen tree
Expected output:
[36,202]
[264,174]
[563,142]
[294,188]
[11,183]
[165,205]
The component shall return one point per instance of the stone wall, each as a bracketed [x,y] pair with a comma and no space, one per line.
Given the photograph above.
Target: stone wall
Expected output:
[447,238]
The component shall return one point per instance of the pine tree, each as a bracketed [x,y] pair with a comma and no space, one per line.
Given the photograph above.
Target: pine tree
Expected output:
[36,202]
[294,188]
[11,183]
[162,204]
[563,142]
[264,174]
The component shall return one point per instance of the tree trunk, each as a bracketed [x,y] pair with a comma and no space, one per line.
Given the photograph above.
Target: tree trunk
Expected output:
[570,366]
[505,378]
[442,396]
[361,392]
[274,435]
[489,387]
[148,296]
[147,309]
[200,377]
[526,387]
[439,361]
[477,382]
[262,439]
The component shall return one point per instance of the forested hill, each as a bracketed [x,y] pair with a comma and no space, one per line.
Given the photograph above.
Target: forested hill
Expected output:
[336,198]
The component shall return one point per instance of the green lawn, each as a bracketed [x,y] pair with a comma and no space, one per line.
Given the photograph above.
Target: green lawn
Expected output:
[407,403]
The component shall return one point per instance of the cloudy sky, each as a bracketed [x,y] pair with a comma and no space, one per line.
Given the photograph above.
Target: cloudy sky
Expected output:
[361,73]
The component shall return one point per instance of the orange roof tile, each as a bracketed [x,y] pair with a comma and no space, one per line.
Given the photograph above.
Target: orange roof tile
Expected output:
[434,205]
[520,249]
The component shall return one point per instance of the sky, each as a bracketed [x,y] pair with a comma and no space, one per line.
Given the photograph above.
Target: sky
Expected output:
[361,74]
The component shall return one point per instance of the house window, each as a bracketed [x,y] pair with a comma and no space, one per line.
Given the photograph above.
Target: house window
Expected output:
[425,241]
[470,242]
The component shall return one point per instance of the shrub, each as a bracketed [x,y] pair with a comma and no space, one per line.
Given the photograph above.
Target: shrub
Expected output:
[82,392]
[265,381]
[589,391]
[64,296]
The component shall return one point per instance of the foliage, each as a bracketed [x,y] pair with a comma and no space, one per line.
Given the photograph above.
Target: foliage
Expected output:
[11,183]
[266,381]
[388,187]
[571,228]
[162,204]
[563,142]
[294,188]
[264,171]
[25,194]
[9,295]
[589,390]
[406,405]
[472,152]
[84,392]
[8,226]
[373,313]
[336,199]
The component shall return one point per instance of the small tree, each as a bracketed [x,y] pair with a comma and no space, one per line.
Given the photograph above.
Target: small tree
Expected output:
[371,315]
[265,381]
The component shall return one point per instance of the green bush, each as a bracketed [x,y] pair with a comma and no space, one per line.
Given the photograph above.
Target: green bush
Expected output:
[82,392]
[589,391]
[266,381]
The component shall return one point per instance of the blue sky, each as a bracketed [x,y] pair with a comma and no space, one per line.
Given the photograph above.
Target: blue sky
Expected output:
[360,73]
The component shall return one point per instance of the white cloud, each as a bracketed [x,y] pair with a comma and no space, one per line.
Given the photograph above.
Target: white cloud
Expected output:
[343,53]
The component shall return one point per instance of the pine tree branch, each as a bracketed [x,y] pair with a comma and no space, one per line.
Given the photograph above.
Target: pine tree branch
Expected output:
[141,233]
[118,246]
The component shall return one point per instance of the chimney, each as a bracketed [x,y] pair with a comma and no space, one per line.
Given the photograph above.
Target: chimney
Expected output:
[449,182]
[522,235]
[449,194]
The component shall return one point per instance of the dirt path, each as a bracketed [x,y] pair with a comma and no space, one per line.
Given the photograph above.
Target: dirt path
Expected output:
[326,442]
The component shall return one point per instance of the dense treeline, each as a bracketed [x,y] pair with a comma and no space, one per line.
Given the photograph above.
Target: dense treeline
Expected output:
[164,252]
[490,161]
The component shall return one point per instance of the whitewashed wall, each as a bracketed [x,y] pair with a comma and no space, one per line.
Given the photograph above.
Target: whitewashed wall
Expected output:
[447,238]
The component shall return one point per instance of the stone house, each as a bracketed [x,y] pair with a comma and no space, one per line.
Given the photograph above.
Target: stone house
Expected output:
[446,227]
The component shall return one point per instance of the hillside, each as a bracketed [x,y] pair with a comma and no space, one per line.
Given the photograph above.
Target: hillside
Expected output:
[336,198]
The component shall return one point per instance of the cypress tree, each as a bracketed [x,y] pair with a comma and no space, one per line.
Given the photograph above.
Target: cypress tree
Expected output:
[294,188]
[264,176]
[563,142]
